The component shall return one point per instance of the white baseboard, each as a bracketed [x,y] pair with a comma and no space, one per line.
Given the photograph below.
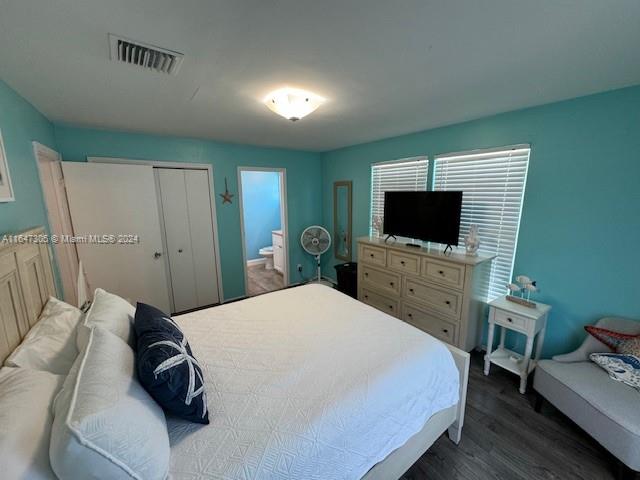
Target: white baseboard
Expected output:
[256,261]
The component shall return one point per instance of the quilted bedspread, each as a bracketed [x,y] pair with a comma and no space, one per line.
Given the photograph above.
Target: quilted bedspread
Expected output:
[306,383]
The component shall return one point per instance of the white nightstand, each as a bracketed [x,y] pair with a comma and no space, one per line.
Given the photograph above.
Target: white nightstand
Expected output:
[531,322]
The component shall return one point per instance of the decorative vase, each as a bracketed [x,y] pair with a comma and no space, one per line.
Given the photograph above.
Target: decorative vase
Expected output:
[377,225]
[471,241]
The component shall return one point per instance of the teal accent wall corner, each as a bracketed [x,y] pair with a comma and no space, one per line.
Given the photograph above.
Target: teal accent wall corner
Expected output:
[303,184]
[21,124]
[580,227]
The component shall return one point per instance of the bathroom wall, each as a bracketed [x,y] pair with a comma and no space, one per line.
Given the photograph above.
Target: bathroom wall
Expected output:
[261,209]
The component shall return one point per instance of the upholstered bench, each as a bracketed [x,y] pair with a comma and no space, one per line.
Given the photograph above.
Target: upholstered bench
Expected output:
[606,409]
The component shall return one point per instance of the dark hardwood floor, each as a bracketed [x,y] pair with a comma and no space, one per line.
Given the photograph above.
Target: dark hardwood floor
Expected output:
[503,438]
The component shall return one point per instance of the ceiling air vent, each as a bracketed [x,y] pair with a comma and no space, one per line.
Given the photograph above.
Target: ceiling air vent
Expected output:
[144,56]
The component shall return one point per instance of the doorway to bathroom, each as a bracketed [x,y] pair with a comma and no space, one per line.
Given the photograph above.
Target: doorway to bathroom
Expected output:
[263,222]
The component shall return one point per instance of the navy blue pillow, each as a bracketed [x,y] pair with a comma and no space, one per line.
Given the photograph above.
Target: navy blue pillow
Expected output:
[166,366]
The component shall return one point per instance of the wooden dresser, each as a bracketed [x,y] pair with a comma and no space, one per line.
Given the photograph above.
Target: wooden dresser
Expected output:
[440,294]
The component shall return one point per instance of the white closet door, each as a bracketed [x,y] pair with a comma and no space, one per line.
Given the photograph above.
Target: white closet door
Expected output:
[202,241]
[178,238]
[111,199]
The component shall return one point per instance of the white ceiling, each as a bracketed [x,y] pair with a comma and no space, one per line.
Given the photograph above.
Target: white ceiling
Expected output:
[386,67]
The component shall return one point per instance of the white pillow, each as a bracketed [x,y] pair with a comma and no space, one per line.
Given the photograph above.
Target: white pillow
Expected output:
[25,422]
[106,426]
[110,312]
[51,344]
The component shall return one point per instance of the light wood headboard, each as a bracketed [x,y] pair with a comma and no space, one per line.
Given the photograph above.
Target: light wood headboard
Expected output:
[26,282]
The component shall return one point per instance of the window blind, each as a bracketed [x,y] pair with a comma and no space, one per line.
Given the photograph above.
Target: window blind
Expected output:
[493,182]
[409,174]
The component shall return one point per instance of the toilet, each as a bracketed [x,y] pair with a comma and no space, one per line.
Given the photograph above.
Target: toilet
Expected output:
[267,253]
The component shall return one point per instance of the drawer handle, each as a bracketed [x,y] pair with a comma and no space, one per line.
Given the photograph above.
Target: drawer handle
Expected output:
[371,255]
[401,262]
[366,274]
[391,283]
[448,302]
[390,307]
[445,330]
[441,272]
[367,297]
[411,290]
[410,315]
[509,319]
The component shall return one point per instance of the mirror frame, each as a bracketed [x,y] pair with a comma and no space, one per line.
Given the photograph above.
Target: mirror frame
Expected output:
[349,185]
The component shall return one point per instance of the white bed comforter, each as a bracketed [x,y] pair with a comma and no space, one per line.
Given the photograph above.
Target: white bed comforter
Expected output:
[307,383]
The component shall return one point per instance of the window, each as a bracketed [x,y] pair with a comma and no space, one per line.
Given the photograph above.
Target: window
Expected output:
[398,175]
[493,183]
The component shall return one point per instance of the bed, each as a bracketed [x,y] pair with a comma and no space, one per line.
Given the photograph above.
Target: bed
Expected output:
[301,383]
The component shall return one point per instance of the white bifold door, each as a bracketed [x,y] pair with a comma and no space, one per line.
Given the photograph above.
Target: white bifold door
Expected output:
[185,197]
[164,252]
[109,199]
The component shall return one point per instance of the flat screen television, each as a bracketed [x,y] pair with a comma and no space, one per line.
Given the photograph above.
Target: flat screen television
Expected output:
[427,216]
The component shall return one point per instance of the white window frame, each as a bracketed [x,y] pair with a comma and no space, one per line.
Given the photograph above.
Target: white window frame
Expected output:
[376,204]
[512,199]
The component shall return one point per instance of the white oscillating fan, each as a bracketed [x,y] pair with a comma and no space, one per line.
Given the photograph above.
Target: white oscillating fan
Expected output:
[316,240]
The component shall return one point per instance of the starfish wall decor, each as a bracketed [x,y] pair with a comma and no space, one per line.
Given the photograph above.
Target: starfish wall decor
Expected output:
[227,195]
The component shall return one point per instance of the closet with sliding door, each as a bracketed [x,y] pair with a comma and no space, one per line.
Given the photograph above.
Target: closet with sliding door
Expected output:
[167,212]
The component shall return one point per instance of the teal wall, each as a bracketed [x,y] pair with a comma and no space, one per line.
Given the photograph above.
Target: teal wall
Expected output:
[21,124]
[303,185]
[580,228]
[261,208]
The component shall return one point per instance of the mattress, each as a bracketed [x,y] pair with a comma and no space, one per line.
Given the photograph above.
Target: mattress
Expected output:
[307,383]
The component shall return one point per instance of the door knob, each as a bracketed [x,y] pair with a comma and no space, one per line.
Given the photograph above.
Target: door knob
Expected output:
[157,255]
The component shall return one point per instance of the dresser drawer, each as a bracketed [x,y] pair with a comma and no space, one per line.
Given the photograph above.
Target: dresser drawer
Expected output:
[381,280]
[511,320]
[428,322]
[380,302]
[374,255]
[405,262]
[445,301]
[444,273]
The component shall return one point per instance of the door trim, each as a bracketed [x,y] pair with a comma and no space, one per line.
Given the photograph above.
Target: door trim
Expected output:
[284,216]
[182,166]
[64,255]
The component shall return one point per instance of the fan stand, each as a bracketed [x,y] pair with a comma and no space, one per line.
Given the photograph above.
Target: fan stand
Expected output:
[319,278]
[318,266]
[312,245]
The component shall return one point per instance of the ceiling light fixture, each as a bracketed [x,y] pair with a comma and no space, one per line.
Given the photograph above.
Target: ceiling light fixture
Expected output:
[293,103]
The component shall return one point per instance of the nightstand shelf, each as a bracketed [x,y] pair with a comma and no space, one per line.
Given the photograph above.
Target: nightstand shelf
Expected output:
[531,322]
[502,357]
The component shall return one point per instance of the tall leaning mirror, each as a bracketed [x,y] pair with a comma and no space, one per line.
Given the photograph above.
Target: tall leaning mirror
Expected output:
[342,219]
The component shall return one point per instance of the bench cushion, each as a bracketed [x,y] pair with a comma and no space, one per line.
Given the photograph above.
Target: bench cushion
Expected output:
[608,410]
